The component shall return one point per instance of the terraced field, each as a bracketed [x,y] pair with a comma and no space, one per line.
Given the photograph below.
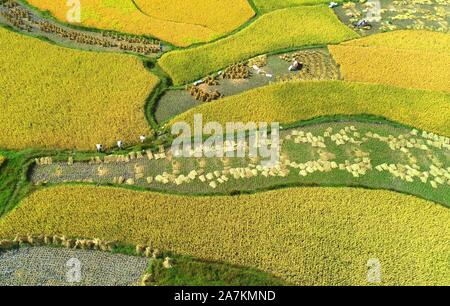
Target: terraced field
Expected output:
[89,97]
[398,62]
[281,29]
[180,23]
[244,230]
[363,171]
[293,101]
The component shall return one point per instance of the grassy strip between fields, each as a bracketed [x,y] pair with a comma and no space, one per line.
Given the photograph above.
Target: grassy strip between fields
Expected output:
[282,29]
[302,235]
[293,101]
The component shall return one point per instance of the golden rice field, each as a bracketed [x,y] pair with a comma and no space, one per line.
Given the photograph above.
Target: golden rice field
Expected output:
[396,61]
[265,6]
[405,40]
[54,97]
[281,29]
[294,101]
[313,236]
[178,22]
[217,15]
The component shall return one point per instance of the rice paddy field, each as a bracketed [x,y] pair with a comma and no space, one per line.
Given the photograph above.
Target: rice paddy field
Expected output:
[289,102]
[359,189]
[398,62]
[89,97]
[178,22]
[278,30]
[236,229]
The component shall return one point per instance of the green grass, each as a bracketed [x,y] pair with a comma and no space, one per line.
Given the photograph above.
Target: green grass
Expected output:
[279,30]
[190,271]
[293,101]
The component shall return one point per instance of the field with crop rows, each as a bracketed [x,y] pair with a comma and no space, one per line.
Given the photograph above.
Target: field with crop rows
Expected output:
[281,29]
[292,101]
[89,97]
[266,6]
[26,266]
[362,177]
[178,22]
[316,237]
[397,63]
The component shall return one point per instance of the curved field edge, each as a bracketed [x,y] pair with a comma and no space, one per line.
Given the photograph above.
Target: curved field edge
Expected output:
[294,101]
[300,235]
[185,270]
[114,97]
[282,29]
[217,15]
[118,15]
[411,175]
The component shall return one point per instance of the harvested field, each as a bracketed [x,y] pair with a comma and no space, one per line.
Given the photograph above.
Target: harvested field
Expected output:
[372,155]
[282,29]
[27,21]
[45,266]
[293,101]
[317,64]
[388,15]
[303,235]
[54,97]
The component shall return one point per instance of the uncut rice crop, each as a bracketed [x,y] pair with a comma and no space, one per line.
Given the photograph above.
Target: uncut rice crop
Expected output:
[265,6]
[2,160]
[54,97]
[294,101]
[303,235]
[405,40]
[287,28]
[396,61]
[178,22]
[217,15]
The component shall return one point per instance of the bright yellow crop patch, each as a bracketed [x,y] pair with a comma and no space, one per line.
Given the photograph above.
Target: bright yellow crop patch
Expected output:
[178,22]
[397,60]
[217,15]
[266,6]
[293,101]
[405,40]
[54,97]
[281,29]
[311,236]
